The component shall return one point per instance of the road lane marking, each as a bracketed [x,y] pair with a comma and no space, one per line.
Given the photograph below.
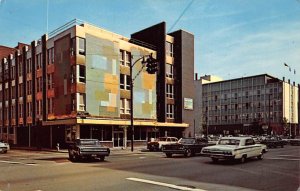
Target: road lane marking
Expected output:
[164,184]
[12,162]
[280,158]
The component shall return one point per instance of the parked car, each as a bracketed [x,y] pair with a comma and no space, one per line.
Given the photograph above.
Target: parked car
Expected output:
[86,149]
[4,147]
[234,148]
[156,144]
[273,142]
[186,146]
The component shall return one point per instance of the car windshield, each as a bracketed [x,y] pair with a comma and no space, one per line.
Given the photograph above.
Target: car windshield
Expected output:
[162,139]
[229,142]
[186,141]
[89,142]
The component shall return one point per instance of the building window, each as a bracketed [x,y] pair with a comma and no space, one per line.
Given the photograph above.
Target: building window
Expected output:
[38,61]
[29,90]
[81,46]
[124,106]
[20,110]
[258,93]
[81,102]
[50,52]
[28,65]
[39,84]
[169,71]
[49,80]
[20,68]
[81,76]
[124,82]
[13,112]
[170,90]
[125,58]
[50,105]
[39,107]
[235,95]
[13,70]
[139,133]
[169,49]
[29,109]
[170,111]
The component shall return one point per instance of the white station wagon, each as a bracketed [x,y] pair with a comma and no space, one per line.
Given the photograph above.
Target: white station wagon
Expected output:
[234,148]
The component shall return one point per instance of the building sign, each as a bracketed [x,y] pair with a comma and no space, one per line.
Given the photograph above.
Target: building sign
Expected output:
[188,103]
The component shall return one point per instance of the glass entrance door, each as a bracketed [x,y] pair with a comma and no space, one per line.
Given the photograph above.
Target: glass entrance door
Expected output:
[118,139]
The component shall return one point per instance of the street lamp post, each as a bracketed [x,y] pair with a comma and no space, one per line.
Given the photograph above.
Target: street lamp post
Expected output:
[151,65]
[290,98]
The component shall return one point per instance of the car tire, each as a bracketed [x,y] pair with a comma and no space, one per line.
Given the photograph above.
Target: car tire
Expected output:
[169,155]
[243,159]
[102,158]
[72,157]
[215,160]
[282,146]
[187,153]
[261,156]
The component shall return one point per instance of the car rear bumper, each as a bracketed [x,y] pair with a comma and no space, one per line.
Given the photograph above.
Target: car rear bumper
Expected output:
[219,156]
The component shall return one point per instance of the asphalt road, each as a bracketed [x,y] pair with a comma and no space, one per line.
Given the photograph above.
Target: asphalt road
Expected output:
[148,171]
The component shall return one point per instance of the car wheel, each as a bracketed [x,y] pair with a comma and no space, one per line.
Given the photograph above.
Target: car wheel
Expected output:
[169,155]
[102,158]
[188,153]
[214,160]
[71,156]
[281,146]
[243,159]
[261,156]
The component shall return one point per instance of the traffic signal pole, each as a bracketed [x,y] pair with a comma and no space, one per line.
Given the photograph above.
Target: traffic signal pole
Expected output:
[150,60]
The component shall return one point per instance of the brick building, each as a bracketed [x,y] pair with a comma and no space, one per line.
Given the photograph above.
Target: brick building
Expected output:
[74,83]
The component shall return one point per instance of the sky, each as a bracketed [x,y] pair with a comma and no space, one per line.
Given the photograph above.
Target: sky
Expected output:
[233,38]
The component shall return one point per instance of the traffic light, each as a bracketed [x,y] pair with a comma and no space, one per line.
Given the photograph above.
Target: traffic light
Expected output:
[152,66]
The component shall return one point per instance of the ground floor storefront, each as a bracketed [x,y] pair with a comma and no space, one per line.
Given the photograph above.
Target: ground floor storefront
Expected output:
[254,129]
[111,133]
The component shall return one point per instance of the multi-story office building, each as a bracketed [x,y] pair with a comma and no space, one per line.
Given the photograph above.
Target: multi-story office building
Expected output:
[249,105]
[75,83]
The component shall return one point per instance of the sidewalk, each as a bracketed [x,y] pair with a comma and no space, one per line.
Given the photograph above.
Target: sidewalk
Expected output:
[113,151]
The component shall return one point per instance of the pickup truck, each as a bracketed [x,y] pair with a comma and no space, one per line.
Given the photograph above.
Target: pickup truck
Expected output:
[234,148]
[87,149]
[157,144]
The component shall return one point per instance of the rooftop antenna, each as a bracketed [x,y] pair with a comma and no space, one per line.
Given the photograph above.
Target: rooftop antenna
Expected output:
[47,14]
